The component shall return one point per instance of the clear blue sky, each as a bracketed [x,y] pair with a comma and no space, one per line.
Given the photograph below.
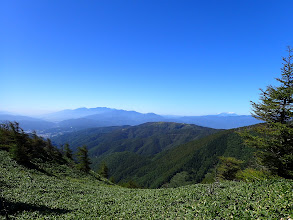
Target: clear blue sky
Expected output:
[168,57]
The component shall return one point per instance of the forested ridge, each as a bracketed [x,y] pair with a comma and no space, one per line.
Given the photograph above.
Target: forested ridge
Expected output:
[195,158]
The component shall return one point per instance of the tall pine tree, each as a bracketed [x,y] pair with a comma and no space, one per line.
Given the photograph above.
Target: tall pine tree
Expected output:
[19,144]
[274,138]
[83,159]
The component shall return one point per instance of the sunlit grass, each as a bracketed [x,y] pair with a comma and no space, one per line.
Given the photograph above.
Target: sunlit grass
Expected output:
[31,194]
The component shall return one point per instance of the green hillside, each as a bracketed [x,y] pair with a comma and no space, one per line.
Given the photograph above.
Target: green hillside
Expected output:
[31,194]
[195,159]
[126,149]
[153,154]
[89,136]
[146,139]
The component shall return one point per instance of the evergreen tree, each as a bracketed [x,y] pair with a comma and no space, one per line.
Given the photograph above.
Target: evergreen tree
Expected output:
[83,159]
[68,151]
[104,171]
[19,144]
[37,145]
[25,148]
[5,139]
[49,147]
[18,153]
[274,139]
[228,168]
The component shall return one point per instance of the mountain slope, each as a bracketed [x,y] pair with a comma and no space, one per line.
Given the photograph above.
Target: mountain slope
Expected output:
[146,139]
[195,159]
[87,136]
[125,150]
[30,194]
[152,154]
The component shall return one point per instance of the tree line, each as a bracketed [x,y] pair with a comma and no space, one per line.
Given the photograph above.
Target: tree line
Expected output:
[25,148]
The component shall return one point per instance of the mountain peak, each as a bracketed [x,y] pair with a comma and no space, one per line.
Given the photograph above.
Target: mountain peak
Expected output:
[227,114]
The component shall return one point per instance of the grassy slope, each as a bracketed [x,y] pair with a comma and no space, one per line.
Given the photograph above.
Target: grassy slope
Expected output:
[65,194]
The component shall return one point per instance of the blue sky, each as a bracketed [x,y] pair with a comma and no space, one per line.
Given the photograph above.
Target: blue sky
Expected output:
[168,57]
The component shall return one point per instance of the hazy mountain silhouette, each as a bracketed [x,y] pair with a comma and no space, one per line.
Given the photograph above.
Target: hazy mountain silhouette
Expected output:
[82,118]
[27,123]
[74,113]
[221,121]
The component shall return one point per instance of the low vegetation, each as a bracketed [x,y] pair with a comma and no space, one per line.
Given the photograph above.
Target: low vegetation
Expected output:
[62,193]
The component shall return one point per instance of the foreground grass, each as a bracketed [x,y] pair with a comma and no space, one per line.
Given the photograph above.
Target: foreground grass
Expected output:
[31,194]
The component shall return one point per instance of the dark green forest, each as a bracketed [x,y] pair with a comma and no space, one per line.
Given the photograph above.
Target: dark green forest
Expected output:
[196,158]
[146,139]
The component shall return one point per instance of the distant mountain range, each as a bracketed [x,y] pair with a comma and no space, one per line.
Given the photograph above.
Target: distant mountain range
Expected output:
[221,121]
[74,114]
[81,118]
[28,123]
